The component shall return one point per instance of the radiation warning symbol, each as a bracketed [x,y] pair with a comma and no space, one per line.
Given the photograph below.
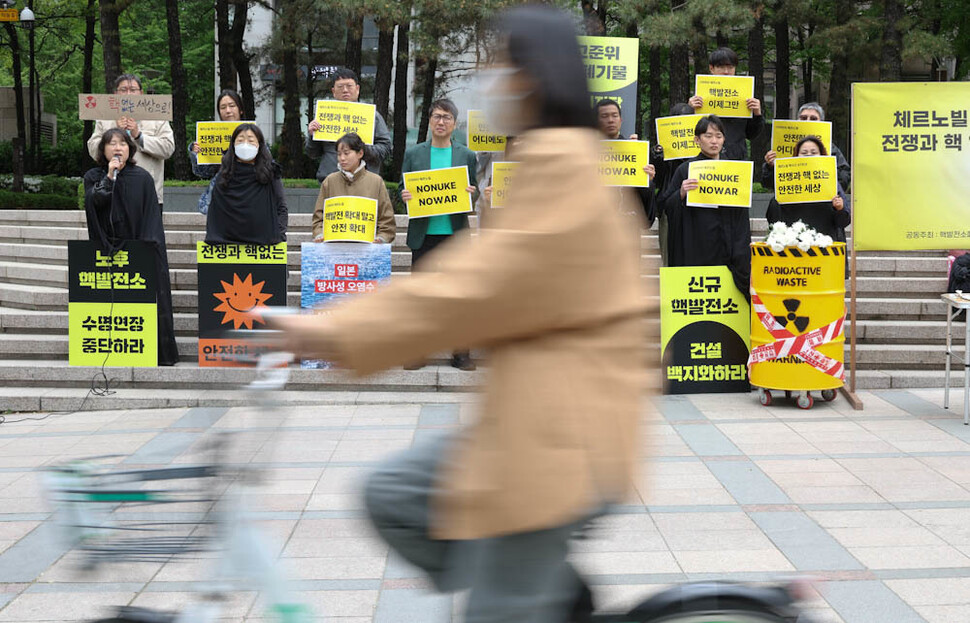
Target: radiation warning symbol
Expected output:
[242,302]
[791,306]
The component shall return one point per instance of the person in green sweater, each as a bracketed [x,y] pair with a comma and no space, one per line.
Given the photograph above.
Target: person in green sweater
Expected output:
[424,234]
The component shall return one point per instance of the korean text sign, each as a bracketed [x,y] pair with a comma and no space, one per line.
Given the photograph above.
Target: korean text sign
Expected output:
[676,135]
[438,191]
[502,174]
[622,162]
[480,136]
[803,180]
[214,138]
[611,73]
[349,219]
[143,107]
[725,96]
[337,118]
[722,182]
[785,134]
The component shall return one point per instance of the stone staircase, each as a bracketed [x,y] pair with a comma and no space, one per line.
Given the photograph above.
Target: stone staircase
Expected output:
[900,330]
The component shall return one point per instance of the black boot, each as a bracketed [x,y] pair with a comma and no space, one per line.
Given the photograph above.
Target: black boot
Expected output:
[582,608]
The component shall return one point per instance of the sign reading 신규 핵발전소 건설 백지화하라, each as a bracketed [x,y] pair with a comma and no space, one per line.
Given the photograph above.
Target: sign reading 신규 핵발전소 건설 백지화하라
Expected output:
[612,64]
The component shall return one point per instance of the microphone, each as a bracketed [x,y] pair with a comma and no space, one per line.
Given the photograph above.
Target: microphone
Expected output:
[115,176]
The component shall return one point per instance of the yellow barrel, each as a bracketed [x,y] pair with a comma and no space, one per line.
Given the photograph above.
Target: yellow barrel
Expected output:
[802,293]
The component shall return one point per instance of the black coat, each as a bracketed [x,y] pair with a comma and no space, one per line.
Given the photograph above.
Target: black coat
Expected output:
[819,215]
[737,131]
[718,236]
[127,209]
[243,210]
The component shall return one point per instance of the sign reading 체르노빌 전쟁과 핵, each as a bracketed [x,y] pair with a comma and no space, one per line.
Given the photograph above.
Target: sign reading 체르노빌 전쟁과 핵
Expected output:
[910,157]
[611,72]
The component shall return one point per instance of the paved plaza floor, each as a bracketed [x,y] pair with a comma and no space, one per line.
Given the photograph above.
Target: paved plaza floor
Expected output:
[874,503]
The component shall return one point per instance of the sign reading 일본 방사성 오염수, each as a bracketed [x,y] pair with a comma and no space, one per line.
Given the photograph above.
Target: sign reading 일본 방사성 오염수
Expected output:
[722,183]
[704,331]
[502,174]
[332,271]
[622,163]
[676,135]
[611,72]
[480,136]
[724,96]
[214,138]
[785,134]
[143,107]
[112,314]
[237,283]
[438,191]
[337,118]
[804,180]
[909,166]
[349,219]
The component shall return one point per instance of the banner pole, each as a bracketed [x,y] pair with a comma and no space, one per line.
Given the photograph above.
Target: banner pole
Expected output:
[849,393]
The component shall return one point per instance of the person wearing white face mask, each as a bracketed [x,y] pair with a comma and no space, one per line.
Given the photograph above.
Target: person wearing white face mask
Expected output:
[248,204]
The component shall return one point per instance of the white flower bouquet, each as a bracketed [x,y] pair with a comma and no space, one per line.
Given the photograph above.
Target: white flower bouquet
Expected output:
[798,234]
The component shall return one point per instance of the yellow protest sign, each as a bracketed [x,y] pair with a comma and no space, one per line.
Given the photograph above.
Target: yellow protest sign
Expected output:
[214,138]
[909,167]
[125,333]
[480,136]
[676,135]
[502,173]
[349,219]
[785,134]
[804,180]
[621,163]
[611,73]
[722,183]
[337,118]
[240,253]
[725,96]
[438,191]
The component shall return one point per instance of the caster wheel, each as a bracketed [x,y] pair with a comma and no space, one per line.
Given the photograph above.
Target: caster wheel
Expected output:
[828,395]
[764,396]
[805,401]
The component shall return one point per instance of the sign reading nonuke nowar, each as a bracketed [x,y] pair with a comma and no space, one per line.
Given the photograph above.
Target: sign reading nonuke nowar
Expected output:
[622,162]
[722,183]
[349,219]
[337,118]
[807,179]
[725,96]
[438,191]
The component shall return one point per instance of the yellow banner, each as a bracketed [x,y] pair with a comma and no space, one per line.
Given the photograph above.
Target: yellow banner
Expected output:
[125,333]
[785,135]
[622,162]
[676,135]
[214,138]
[725,96]
[240,253]
[909,171]
[611,62]
[440,191]
[480,136]
[722,183]
[804,180]
[502,173]
[337,118]
[349,219]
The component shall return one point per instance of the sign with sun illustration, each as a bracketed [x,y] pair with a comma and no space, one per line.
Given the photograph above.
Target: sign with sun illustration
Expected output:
[237,284]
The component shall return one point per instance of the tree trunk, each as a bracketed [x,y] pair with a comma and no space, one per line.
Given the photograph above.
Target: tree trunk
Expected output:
[385,65]
[891,60]
[782,69]
[111,41]
[838,106]
[655,87]
[310,79]
[400,99]
[291,150]
[87,70]
[18,81]
[355,36]
[427,96]
[699,47]
[756,68]
[680,88]
[227,72]
[240,60]
[180,93]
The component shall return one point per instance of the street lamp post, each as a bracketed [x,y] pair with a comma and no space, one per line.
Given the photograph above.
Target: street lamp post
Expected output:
[27,23]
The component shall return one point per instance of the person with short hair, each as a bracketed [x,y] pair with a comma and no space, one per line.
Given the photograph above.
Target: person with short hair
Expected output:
[702,236]
[354,180]
[665,170]
[248,203]
[809,111]
[120,204]
[425,234]
[346,88]
[609,119]
[724,62]
[155,139]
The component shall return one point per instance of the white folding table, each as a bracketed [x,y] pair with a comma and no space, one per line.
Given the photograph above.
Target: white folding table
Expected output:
[955,304]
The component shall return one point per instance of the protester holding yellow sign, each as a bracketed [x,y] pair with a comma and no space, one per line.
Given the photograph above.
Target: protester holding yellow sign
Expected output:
[229,109]
[748,123]
[717,235]
[498,192]
[676,135]
[354,181]
[806,190]
[349,219]
[625,162]
[808,113]
[438,192]
[337,118]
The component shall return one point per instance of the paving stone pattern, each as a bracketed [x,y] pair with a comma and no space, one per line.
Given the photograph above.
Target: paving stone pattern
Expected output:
[873,503]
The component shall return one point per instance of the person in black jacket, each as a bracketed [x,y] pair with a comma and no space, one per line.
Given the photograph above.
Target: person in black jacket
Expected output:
[121,204]
[724,62]
[708,236]
[809,111]
[609,121]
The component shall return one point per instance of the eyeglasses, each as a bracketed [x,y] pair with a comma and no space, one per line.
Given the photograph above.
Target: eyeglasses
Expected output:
[344,87]
[445,118]
[127,90]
